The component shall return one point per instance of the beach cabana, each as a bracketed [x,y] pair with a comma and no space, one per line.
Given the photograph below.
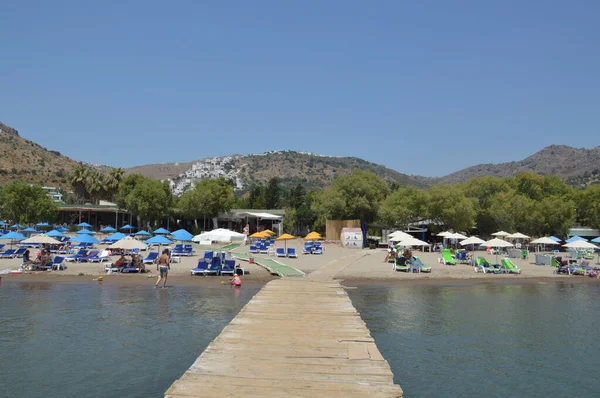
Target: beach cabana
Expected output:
[161,231]
[108,229]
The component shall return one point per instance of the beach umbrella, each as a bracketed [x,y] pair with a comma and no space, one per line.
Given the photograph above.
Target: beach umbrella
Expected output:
[219,235]
[285,238]
[128,243]
[17,226]
[517,235]
[60,228]
[313,236]
[84,225]
[159,240]
[398,236]
[597,240]
[115,237]
[412,242]
[544,241]
[575,239]
[500,234]
[108,229]
[2,224]
[83,238]
[182,235]
[259,235]
[127,227]
[269,232]
[497,243]
[142,233]
[580,244]
[12,236]
[473,240]
[41,239]
[444,233]
[85,232]
[161,231]
[29,230]
[554,238]
[55,233]
[43,225]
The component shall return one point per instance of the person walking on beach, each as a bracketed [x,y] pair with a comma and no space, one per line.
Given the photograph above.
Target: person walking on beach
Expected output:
[163,266]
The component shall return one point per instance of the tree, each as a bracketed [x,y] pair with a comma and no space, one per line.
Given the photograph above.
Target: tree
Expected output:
[78,178]
[112,180]
[209,197]
[146,198]
[512,211]
[256,197]
[450,206]
[554,215]
[403,206]
[273,194]
[289,221]
[588,206]
[355,196]
[25,203]
[296,196]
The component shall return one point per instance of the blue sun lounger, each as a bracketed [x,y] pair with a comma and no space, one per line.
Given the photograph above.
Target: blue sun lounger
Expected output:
[280,251]
[8,253]
[201,268]
[152,256]
[291,252]
[228,267]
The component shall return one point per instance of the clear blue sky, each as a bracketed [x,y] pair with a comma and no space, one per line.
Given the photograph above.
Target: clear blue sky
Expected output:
[424,87]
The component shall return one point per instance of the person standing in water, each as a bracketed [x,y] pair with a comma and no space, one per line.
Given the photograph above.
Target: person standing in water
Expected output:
[163,266]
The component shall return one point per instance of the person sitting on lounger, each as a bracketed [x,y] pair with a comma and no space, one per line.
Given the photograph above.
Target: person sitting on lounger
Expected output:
[121,261]
[407,255]
[136,261]
[27,258]
[391,255]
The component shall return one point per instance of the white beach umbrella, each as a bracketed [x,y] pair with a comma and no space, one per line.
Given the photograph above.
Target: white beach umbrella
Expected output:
[128,243]
[581,244]
[456,236]
[517,235]
[496,243]
[544,241]
[219,235]
[399,235]
[473,240]
[443,234]
[500,233]
[41,239]
[412,242]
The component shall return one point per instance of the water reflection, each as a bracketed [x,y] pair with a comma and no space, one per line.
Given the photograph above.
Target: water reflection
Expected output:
[490,339]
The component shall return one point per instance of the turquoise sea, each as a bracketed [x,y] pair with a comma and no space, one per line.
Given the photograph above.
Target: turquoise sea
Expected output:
[464,340]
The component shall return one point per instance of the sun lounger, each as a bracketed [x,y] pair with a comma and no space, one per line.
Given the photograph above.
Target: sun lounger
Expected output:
[291,252]
[485,266]
[510,266]
[201,268]
[447,258]
[307,248]
[253,249]
[151,258]
[280,252]
[76,257]
[92,255]
[8,253]
[228,267]
[56,264]
[264,249]
[401,265]
[462,258]
[417,263]
[208,256]
[215,267]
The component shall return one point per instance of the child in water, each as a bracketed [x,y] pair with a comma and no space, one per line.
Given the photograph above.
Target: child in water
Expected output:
[236,281]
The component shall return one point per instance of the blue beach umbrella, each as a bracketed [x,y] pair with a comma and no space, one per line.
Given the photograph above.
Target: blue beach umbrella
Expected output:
[85,232]
[554,238]
[597,240]
[161,231]
[61,229]
[55,233]
[115,237]
[43,225]
[85,239]
[575,239]
[12,236]
[159,240]
[29,230]
[2,224]
[143,233]
[182,235]
[108,229]
[127,227]
[84,225]
[17,226]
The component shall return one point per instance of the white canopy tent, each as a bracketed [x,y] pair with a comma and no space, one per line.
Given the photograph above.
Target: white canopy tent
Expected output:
[220,235]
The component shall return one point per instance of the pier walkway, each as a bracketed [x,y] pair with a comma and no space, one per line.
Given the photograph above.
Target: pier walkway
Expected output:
[298,337]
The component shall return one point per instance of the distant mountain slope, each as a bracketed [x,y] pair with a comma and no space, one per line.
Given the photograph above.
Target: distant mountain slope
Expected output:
[27,161]
[575,165]
[291,167]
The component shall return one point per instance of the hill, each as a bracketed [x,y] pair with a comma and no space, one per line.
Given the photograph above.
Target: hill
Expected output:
[578,166]
[291,167]
[27,161]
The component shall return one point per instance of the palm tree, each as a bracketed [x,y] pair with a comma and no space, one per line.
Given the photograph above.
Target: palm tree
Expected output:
[112,179]
[78,179]
[96,186]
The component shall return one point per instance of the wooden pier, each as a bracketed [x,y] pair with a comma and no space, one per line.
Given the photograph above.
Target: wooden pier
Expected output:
[299,337]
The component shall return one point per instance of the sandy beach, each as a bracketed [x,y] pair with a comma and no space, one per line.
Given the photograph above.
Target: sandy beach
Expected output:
[356,267]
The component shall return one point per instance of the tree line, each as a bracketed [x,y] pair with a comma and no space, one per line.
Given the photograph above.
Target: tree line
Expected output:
[529,203]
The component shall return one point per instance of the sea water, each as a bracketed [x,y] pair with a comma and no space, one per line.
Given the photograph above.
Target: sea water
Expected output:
[101,340]
[487,340]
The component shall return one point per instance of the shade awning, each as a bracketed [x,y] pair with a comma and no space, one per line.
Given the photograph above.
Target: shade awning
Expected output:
[264,216]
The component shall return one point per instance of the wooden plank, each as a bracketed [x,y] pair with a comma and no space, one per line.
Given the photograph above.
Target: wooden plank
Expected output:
[300,338]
